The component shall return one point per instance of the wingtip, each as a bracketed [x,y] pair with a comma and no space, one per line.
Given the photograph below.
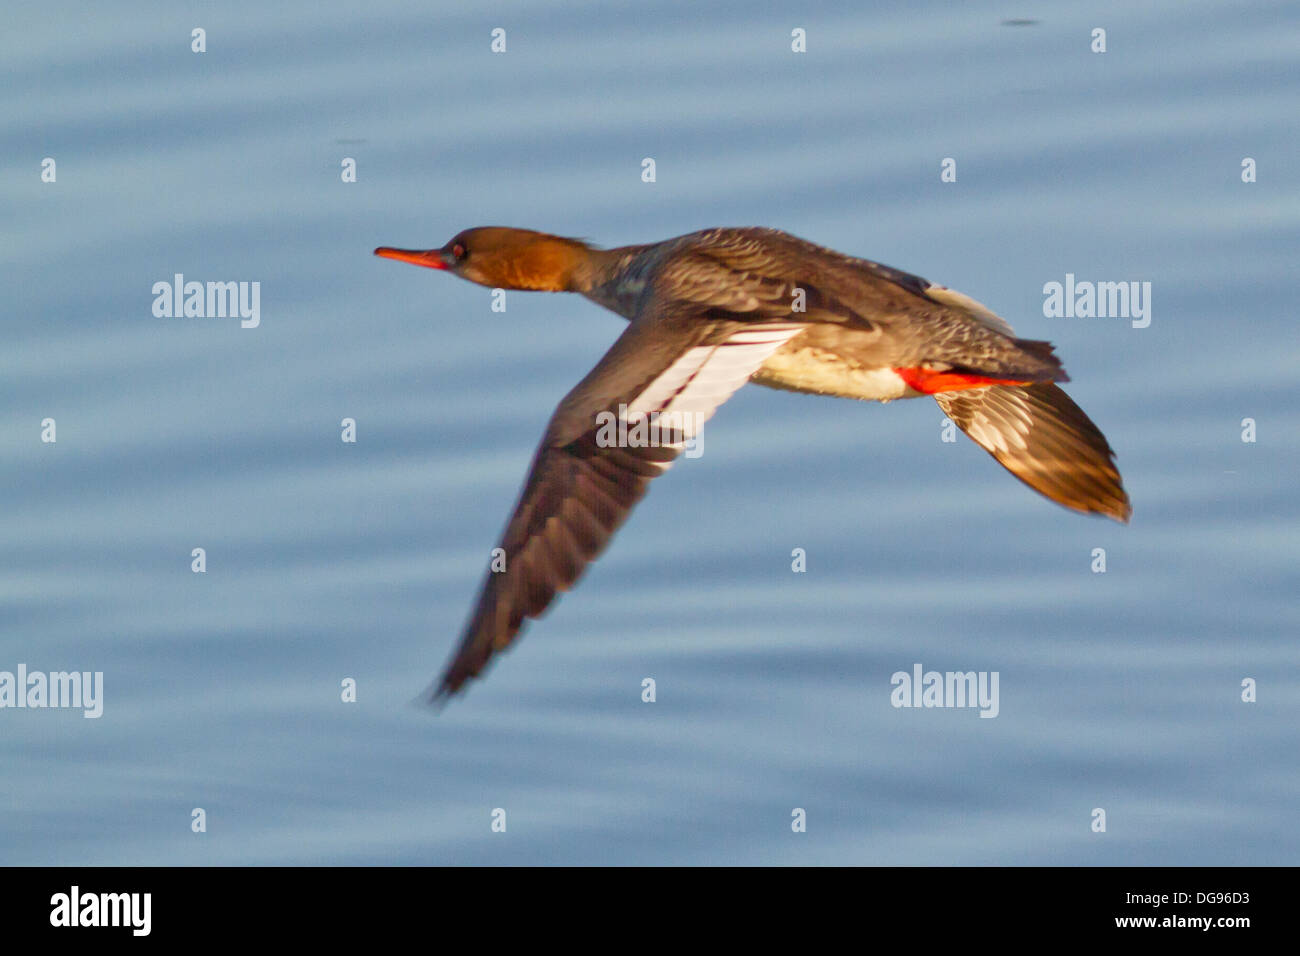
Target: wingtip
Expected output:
[1119,510]
[435,697]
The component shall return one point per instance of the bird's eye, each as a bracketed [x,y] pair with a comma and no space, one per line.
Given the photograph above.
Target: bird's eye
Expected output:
[458,251]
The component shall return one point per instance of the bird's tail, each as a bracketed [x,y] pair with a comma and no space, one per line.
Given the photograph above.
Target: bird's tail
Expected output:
[1043,438]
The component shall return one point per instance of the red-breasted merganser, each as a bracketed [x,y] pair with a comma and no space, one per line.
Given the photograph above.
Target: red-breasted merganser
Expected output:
[709,311]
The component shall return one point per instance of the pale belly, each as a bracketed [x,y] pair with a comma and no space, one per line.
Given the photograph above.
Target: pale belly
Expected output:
[820,372]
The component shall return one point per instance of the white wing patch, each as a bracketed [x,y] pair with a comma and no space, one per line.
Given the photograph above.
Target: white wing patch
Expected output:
[690,390]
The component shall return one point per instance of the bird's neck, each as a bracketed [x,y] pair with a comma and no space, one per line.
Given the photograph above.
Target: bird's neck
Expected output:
[614,278]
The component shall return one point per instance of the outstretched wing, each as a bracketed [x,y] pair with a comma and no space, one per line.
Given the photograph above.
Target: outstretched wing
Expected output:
[1039,435]
[669,373]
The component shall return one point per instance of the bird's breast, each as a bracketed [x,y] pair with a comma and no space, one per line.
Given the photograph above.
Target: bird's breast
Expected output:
[806,368]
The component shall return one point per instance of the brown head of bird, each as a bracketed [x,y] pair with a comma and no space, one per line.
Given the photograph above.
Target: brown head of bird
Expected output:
[503,258]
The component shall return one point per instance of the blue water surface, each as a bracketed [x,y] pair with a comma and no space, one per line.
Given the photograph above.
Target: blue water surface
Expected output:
[329,560]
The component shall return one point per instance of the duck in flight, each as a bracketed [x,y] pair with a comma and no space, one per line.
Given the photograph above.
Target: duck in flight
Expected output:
[706,313]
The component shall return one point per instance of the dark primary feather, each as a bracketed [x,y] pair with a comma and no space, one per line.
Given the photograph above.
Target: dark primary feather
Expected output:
[577,495]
